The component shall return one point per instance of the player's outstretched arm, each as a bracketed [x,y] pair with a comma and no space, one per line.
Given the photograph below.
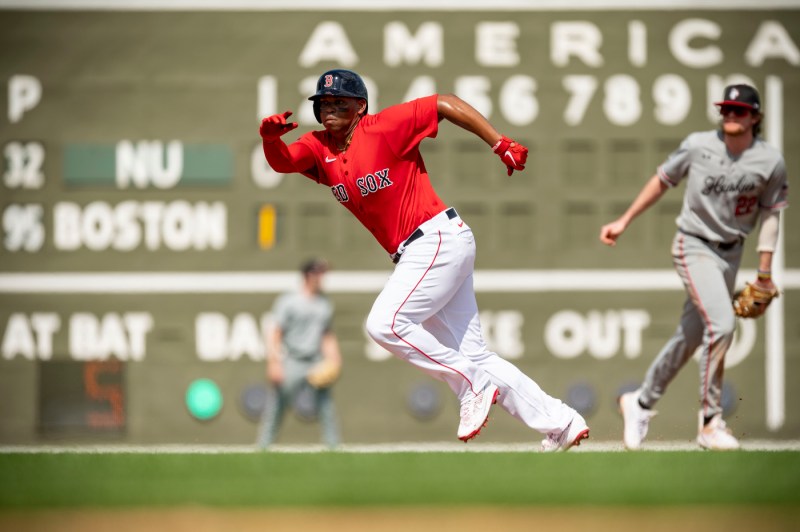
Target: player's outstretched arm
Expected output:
[453,109]
[650,193]
[282,158]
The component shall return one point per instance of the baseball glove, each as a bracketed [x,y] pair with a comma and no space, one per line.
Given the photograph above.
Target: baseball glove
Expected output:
[753,300]
[323,374]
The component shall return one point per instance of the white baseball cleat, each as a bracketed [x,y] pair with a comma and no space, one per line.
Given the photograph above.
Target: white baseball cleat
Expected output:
[570,436]
[635,420]
[716,435]
[475,412]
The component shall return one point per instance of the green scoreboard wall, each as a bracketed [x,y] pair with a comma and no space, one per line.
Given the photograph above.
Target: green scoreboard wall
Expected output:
[144,238]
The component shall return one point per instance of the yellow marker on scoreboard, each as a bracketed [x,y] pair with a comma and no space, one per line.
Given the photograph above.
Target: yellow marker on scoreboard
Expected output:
[266,226]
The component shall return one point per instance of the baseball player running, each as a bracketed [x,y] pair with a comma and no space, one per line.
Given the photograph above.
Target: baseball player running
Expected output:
[733,180]
[427,313]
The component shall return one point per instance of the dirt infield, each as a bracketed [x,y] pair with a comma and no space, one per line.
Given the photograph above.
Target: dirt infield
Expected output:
[416,519]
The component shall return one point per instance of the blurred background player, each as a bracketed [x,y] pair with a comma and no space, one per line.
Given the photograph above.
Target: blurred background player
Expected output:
[733,180]
[301,338]
[426,313]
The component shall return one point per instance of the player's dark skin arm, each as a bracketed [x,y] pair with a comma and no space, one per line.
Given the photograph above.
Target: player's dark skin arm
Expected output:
[297,158]
[455,110]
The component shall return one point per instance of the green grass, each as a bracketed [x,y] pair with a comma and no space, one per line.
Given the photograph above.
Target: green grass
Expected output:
[32,480]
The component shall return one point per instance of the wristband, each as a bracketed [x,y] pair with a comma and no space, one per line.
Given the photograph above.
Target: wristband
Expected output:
[764,275]
[502,145]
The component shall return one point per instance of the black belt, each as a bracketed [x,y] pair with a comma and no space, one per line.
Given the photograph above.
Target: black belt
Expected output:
[451,213]
[725,246]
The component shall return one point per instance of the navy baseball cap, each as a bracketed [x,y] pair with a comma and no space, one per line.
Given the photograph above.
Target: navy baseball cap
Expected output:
[741,96]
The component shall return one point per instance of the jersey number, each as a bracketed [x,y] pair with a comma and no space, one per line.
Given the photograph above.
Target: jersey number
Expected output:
[745,205]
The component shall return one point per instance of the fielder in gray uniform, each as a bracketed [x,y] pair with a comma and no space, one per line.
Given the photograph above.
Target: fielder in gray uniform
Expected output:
[734,180]
[302,336]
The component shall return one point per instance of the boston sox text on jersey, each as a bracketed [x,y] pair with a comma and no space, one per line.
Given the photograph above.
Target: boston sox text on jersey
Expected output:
[381,178]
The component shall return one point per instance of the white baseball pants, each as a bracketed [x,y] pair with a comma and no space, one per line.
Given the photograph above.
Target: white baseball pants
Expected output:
[427,315]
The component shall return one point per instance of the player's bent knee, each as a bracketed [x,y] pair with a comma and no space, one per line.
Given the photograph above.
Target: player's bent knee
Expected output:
[379,328]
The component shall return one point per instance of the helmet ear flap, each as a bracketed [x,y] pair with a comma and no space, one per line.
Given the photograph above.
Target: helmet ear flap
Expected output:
[316,111]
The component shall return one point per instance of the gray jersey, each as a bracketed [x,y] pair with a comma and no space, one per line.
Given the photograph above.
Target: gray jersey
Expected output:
[725,194]
[303,320]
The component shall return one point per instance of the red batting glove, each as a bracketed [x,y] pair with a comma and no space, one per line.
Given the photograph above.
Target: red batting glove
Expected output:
[512,153]
[272,127]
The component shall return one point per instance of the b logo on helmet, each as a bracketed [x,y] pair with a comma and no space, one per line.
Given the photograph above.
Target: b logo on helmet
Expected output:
[338,82]
[734,93]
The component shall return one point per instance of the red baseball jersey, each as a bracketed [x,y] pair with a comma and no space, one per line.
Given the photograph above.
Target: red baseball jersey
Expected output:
[381,177]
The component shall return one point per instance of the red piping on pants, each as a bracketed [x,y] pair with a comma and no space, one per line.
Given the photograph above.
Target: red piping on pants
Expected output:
[705,319]
[394,319]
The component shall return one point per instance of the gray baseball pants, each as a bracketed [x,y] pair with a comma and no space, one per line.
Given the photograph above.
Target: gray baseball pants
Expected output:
[708,272]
